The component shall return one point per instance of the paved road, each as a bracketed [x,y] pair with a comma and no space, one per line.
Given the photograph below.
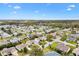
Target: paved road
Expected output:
[58,40]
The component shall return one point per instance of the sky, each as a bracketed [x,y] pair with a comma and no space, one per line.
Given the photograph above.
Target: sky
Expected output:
[39,11]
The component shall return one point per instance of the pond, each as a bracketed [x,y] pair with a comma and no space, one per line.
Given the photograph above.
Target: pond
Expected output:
[52,53]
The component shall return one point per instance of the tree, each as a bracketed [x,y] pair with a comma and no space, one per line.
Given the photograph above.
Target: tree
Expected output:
[49,37]
[0,54]
[25,50]
[64,37]
[2,29]
[9,31]
[3,46]
[36,50]
[19,34]
[77,38]
[42,42]
[73,32]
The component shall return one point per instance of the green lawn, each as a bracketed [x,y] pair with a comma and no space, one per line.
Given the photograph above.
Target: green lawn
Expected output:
[72,42]
[0,39]
[53,46]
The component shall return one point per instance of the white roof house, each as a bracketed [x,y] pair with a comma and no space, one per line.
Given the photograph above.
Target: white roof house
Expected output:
[38,33]
[4,42]
[4,35]
[76,51]
[20,47]
[36,41]
[54,34]
[1,31]
[9,51]
[74,35]
[71,39]
[43,38]
[66,29]
[29,42]
[14,40]
[5,52]
[29,35]
[13,51]
[15,33]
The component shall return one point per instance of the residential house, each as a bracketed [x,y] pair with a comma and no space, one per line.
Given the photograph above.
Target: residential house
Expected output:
[76,51]
[9,51]
[13,51]
[30,35]
[47,44]
[15,40]
[28,42]
[71,39]
[62,47]
[38,34]
[74,35]
[20,47]
[36,41]
[4,42]
[5,35]
[43,38]
[5,52]
[15,33]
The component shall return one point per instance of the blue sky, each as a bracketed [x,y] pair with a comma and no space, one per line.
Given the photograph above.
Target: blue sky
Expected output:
[37,11]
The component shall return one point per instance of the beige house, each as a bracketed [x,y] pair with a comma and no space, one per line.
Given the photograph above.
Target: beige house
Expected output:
[76,51]
[13,51]
[9,51]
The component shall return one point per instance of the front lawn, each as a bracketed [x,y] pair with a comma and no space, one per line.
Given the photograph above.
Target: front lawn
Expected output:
[72,42]
[53,46]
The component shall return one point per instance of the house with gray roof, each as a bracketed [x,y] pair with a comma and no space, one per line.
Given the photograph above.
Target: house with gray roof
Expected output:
[62,47]
[14,40]
[20,47]
[71,39]
[36,41]
[74,35]
[5,35]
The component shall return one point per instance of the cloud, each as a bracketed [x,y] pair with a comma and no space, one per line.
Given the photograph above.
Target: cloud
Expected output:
[70,7]
[17,7]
